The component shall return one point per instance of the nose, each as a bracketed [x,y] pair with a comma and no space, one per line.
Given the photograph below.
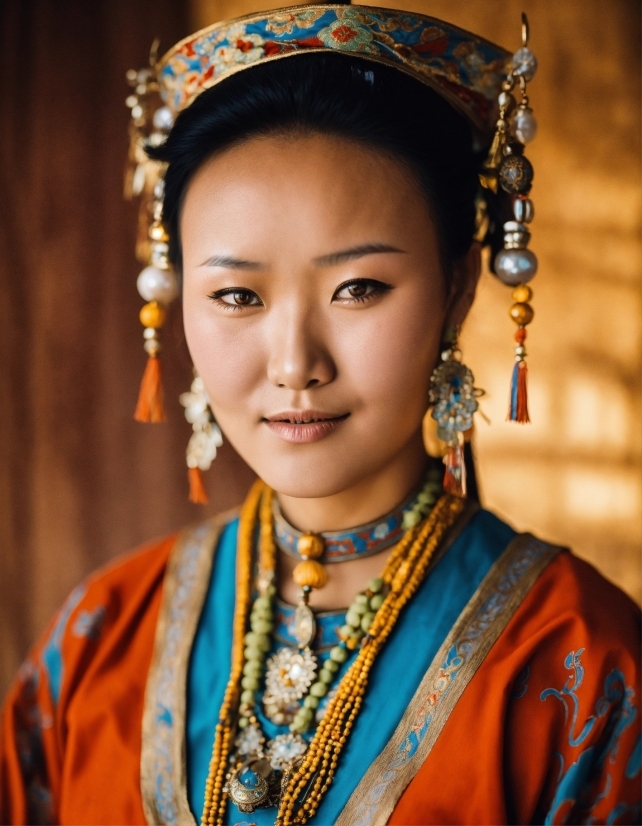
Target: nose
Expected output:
[298,357]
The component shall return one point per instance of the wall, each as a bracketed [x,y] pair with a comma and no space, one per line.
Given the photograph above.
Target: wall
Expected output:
[81,482]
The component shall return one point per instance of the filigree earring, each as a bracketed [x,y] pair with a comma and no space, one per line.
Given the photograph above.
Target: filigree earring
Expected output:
[453,398]
[204,441]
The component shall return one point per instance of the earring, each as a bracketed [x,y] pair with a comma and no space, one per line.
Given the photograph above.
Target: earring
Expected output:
[453,398]
[157,283]
[204,441]
[506,166]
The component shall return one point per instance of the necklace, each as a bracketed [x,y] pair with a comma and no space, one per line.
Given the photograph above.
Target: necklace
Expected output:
[369,539]
[292,774]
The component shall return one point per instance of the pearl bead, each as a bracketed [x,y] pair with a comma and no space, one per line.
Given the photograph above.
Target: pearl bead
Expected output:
[155,284]
[163,118]
[524,125]
[524,63]
[515,267]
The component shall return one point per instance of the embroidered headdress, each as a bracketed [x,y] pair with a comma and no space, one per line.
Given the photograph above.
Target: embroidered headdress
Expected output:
[465,69]
[473,75]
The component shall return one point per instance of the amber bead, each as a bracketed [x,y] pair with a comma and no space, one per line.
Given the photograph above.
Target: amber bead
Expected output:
[522,314]
[310,545]
[310,574]
[153,315]
[522,294]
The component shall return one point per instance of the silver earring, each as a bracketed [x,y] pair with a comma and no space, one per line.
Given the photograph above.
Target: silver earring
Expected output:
[453,398]
[204,441]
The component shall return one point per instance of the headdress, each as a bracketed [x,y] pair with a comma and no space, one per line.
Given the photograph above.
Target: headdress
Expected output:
[475,76]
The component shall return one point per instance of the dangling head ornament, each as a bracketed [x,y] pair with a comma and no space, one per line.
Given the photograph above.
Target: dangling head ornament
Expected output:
[473,75]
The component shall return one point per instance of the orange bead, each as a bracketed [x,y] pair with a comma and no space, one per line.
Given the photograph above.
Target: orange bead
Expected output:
[310,545]
[522,293]
[153,315]
[310,574]
[522,314]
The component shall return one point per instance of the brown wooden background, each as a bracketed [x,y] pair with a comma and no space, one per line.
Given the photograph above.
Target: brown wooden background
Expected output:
[81,482]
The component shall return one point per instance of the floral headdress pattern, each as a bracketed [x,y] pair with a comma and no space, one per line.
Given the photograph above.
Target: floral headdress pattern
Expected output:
[465,69]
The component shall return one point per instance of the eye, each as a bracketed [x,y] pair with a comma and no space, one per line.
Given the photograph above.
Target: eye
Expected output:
[236,298]
[361,289]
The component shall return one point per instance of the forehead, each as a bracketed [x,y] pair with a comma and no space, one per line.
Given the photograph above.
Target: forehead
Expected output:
[313,185]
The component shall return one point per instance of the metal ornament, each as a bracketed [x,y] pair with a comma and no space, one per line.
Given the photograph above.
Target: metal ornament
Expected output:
[453,398]
[507,168]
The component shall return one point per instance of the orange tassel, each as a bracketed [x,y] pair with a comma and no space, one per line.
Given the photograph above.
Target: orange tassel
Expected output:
[455,476]
[197,492]
[150,406]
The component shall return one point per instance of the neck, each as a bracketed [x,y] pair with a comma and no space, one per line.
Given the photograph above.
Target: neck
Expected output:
[372,496]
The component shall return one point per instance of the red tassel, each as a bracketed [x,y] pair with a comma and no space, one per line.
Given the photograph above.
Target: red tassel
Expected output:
[455,476]
[150,406]
[197,492]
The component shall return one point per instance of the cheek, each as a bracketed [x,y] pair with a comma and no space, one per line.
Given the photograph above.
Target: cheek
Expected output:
[390,356]
[228,355]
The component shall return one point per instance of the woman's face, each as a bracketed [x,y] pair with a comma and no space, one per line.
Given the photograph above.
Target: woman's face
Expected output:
[314,303]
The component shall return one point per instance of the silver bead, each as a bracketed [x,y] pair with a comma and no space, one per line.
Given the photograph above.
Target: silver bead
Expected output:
[524,63]
[159,254]
[163,119]
[515,266]
[155,284]
[523,210]
[152,346]
[524,124]
[159,189]
[150,332]
[517,240]
[520,351]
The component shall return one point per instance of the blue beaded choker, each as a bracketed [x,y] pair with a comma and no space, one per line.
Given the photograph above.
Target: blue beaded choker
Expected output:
[364,540]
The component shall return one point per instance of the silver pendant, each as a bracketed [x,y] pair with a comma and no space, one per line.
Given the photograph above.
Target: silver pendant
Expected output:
[253,786]
[305,626]
[289,675]
[286,750]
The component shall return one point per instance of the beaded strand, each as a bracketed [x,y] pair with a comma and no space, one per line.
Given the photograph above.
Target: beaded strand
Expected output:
[404,571]
[322,756]
[215,799]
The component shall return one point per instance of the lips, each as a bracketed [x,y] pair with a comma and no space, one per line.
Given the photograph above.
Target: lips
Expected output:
[304,426]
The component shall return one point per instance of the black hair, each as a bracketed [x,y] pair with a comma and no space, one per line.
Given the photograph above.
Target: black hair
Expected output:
[340,95]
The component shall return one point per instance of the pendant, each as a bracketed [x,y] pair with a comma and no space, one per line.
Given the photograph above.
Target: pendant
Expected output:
[305,626]
[249,741]
[253,786]
[289,674]
[286,750]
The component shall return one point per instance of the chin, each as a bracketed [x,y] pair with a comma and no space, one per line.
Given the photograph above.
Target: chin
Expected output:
[310,471]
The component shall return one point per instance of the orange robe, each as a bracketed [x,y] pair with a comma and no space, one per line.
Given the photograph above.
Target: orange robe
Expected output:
[561,684]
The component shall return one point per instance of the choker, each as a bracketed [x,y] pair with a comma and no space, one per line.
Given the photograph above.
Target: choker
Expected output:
[364,540]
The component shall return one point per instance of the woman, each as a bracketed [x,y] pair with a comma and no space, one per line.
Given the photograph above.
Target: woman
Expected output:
[323,215]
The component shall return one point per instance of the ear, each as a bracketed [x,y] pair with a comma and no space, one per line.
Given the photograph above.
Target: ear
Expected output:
[466,272]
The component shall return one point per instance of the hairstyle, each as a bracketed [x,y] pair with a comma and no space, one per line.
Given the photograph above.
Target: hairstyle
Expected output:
[340,95]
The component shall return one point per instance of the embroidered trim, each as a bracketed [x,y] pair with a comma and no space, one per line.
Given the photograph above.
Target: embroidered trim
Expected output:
[163,768]
[342,546]
[463,68]
[455,664]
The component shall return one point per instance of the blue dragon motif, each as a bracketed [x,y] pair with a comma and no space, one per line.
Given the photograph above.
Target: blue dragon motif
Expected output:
[576,786]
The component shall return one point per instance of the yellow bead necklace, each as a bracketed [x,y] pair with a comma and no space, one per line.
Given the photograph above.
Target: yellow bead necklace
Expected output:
[404,571]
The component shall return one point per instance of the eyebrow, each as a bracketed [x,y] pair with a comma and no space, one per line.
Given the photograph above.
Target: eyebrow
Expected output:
[335,258]
[330,260]
[231,263]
